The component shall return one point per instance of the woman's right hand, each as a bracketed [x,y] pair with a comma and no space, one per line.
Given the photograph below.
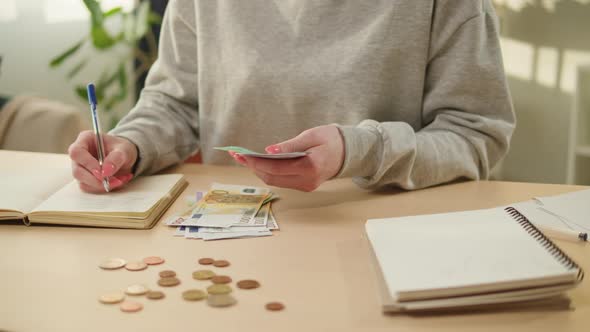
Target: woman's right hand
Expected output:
[120,156]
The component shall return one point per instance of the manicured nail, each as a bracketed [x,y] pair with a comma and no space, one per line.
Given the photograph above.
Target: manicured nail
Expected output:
[240,159]
[126,178]
[114,182]
[97,174]
[108,169]
[273,149]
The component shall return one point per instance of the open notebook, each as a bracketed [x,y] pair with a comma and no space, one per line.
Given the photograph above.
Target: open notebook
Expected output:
[49,196]
[464,259]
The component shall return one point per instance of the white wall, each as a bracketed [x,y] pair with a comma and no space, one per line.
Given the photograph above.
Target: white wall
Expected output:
[543,41]
[32,32]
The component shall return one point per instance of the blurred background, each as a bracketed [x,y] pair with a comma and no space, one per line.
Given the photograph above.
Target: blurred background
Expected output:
[46,47]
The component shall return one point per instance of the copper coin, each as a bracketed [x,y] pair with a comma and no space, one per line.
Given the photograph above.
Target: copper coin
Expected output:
[248,284]
[167,274]
[221,279]
[221,263]
[112,263]
[203,274]
[274,306]
[155,295]
[153,260]
[206,261]
[136,266]
[168,282]
[130,306]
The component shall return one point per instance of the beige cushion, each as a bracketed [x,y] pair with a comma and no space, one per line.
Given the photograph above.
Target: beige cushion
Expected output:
[30,123]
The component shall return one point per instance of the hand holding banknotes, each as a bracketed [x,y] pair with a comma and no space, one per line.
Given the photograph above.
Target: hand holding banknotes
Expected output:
[326,155]
[120,155]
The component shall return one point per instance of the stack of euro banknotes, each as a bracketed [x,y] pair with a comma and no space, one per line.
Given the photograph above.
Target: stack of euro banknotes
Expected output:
[227,212]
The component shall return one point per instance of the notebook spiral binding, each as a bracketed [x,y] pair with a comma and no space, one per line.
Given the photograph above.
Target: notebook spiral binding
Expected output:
[528,226]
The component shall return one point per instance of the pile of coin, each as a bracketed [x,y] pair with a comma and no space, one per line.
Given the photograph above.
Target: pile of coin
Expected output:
[218,294]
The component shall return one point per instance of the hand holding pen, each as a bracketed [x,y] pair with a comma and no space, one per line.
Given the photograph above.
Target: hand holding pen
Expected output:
[101,162]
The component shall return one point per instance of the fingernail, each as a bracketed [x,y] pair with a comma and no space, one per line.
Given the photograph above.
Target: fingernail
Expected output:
[240,159]
[97,174]
[114,182]
[126,178]
[108,169]
[273,149]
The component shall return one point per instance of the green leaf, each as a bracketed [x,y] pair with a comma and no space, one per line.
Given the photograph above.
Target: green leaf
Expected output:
[128,26]
[77,68]
[62,57]
[101,38]
[96,14]
[81,92]
[112,11]
[114,121]
[154,18]
[141,24]
[122,78]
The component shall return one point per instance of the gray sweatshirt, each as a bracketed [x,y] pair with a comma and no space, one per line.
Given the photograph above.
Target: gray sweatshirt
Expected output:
[417,87]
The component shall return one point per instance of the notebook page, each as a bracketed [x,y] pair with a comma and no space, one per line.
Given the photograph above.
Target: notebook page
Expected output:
[24,190]
[574,207]
[136,197]
[456,250]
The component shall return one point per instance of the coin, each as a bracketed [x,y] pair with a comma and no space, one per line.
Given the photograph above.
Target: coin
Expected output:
[221,263]
[219,301]
[111,298]
[153,260]
[221,279]
[167,274]
[248,284]
[155,295]
[203,274]
[206,261]
[137,289]
[219,289]
[168,282]
[129,306]
[112,263]
[136,266]
[194,295]
[274,306]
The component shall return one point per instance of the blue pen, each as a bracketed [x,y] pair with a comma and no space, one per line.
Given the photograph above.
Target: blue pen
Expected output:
[96,125]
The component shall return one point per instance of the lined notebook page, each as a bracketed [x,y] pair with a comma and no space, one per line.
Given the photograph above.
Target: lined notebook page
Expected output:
[138,196]
[456,250]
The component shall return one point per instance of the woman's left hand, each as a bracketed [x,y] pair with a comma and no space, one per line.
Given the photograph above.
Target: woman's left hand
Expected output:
[326,155]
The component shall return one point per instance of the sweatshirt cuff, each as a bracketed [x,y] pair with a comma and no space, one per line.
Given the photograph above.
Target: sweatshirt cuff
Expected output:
[146,154]
[361,151]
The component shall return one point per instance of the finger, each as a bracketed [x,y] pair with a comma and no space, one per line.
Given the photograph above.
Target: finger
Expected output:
[279,167]
[119,180]
[288,181]
[301,142]
[79,152]
[81,174]
[90,189]
[114,161]
[240,159]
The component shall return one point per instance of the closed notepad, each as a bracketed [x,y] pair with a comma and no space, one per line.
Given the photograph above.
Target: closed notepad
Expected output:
[466,254]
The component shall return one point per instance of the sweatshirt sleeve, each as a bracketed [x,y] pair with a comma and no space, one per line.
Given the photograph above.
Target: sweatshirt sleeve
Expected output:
[164,122]
[467,112]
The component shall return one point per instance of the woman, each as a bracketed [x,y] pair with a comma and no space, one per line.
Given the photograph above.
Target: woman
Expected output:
[394,92]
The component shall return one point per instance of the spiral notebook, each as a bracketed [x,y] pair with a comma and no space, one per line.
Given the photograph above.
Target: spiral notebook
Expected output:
[465,259]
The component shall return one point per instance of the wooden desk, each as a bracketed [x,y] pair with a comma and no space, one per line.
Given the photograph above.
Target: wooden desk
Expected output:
[317,264]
